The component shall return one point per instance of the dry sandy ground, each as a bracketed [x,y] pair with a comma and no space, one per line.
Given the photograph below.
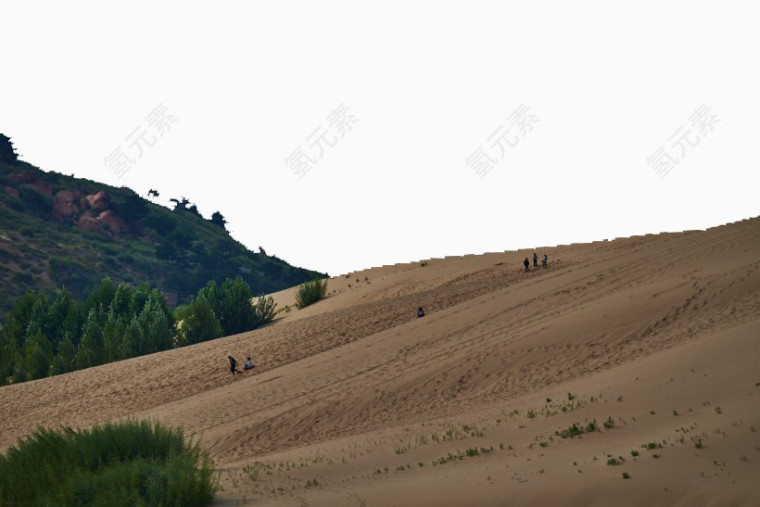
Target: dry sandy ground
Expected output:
[355,401]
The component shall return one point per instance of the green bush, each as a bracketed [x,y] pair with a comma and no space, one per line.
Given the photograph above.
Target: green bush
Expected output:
[264,307]
[124,463]
[311,292]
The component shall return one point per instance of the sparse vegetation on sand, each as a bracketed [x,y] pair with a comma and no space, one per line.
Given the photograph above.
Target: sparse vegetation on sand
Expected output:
[577,430]
[311,292]
[125,463]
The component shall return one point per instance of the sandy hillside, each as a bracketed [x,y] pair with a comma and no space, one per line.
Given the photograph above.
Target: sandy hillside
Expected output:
[626,373]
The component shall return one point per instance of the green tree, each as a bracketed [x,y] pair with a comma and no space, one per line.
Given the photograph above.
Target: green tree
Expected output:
[38,355]
[90,350]
[122,301]
[113,335]
[236,314]
[156,328]
[140,296]
[8,352]
[213,295]
[219,220]
[7,151]
[200,323]
[101,296]
[65,360]
[64,319]
[132,340]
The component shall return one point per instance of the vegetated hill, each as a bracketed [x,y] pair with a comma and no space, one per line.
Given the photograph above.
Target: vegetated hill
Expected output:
[57,230]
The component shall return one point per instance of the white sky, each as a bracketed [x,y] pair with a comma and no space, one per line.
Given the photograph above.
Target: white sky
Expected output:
[427,85]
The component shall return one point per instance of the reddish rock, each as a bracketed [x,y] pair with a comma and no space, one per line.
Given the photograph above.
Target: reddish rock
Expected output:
[23,177]
[66,204]
[112,222]
[91,224]
[12,192]
[99,201]
[42,187]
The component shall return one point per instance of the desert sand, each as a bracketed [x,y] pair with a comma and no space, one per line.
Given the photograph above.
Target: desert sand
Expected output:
[356,401]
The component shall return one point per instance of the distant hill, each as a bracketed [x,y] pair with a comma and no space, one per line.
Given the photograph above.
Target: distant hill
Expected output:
[57,230]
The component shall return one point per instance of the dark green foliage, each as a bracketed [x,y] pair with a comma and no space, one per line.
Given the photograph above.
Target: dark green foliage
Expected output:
[264,310]
[218,220]
[7,151]
[224,310]
[236,314]
[129,206]
[116,322]
[125,463]
[311,292]
[200,323]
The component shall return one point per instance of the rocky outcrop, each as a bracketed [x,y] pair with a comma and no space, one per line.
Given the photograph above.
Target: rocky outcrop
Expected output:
[91,212]
[66,204]
[91,224]
[99,201]
[111,222]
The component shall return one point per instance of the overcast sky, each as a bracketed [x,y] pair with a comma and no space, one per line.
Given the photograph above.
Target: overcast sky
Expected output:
[346,135]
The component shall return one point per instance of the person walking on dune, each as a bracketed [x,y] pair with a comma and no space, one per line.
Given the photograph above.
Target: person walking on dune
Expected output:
[535,260]
[526,263]
[233,365]
[544,261]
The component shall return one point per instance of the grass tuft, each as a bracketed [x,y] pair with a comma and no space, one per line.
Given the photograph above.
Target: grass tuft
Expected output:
[311,292]
[124,463]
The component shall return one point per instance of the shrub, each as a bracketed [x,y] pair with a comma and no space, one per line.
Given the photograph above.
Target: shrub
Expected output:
[125,463]
[264,307]
[310,292]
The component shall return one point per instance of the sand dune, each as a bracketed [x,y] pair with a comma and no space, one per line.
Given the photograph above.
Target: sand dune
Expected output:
[355,401]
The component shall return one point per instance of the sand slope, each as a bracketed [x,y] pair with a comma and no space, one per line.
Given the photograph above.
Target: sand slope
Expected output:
[355,401]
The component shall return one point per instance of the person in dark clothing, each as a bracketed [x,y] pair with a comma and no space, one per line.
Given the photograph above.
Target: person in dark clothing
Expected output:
[535,260]
[233,365]
[420,313]
[526,263]
[544,261]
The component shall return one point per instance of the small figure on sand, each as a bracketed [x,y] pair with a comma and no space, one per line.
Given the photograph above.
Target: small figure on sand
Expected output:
[248,364]
[535,260]
[420,312]
[233,365]
[526,263]
[544,261]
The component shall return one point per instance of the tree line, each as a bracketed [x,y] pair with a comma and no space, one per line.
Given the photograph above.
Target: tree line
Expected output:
[41,338]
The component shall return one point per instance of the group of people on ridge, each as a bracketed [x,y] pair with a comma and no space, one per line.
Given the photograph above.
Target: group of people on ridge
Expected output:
[544,261]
